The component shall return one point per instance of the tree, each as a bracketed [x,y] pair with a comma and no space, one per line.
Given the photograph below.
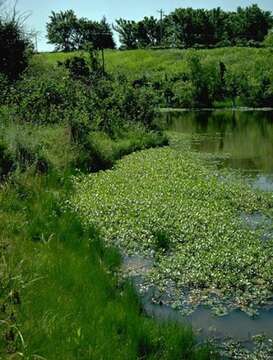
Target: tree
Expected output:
[106,39]
[62,30]
[148,32]
[256,22]
[98,34]
[69,33]
[188,27]
[127,30]
[14,44]
[248,24]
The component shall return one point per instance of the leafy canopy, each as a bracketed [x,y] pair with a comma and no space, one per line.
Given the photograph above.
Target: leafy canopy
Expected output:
[69,33]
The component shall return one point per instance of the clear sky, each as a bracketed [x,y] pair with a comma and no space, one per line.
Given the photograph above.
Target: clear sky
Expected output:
[113,9]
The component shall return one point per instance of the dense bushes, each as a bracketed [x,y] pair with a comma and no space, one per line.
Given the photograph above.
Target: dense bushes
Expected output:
[84,99]
[204,84]
[183,78]
[75,115]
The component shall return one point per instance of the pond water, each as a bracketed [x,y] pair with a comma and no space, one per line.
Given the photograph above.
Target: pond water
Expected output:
[241,140]
[236,325]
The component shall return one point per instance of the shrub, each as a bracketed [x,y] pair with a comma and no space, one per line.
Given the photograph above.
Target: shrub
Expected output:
[86,104]
[78,67]
[183,94]
[203,81]
[268,41]
[259,91]
[15,48]
[48,99]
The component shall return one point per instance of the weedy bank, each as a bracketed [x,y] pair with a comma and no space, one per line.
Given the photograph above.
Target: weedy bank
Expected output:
[224,77]
[60,295]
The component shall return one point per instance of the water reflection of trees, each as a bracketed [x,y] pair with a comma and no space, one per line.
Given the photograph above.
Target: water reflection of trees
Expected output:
[246,136]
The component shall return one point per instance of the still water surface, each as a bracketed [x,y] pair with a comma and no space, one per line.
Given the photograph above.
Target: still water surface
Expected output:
[241,140]
[238,140]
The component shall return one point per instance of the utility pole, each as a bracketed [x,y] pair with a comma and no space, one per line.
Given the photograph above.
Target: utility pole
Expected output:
[161,12]
[103,60]
[101,48]
[36,42]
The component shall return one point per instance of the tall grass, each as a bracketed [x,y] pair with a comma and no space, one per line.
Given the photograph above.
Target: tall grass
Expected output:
[136,63]
[64,299]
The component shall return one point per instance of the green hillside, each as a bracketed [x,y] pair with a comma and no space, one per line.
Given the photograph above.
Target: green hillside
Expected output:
[244,75]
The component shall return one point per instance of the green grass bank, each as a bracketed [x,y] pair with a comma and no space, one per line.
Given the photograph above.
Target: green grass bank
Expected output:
[61,297]
[61,294]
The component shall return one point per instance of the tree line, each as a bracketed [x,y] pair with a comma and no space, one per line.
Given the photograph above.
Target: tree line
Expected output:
[187,27]
[182,28]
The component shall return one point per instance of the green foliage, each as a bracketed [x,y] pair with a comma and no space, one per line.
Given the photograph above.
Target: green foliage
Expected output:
[100,151]
[77,67]
[68,33]
[82,98]
[41,148]
[188,27]
[61,30]
[48,98]
[268,41]
[191,78]
[127,32]
[15,48]
[146,32]
[6,161]
[166,202]
[60,292]
[59,284]
[4,88]
[203,82]
[183,94]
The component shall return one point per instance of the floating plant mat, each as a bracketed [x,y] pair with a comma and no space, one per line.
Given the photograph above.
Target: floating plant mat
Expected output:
[168,205]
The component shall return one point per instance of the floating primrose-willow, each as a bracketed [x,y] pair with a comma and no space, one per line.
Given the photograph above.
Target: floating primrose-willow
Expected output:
[168,203]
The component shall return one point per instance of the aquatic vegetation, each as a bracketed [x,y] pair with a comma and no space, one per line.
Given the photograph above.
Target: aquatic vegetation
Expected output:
[262,349]
[167,204]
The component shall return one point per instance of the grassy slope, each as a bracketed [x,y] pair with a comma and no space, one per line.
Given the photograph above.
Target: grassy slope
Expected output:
[63,299]
[138,62]
[60,296]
